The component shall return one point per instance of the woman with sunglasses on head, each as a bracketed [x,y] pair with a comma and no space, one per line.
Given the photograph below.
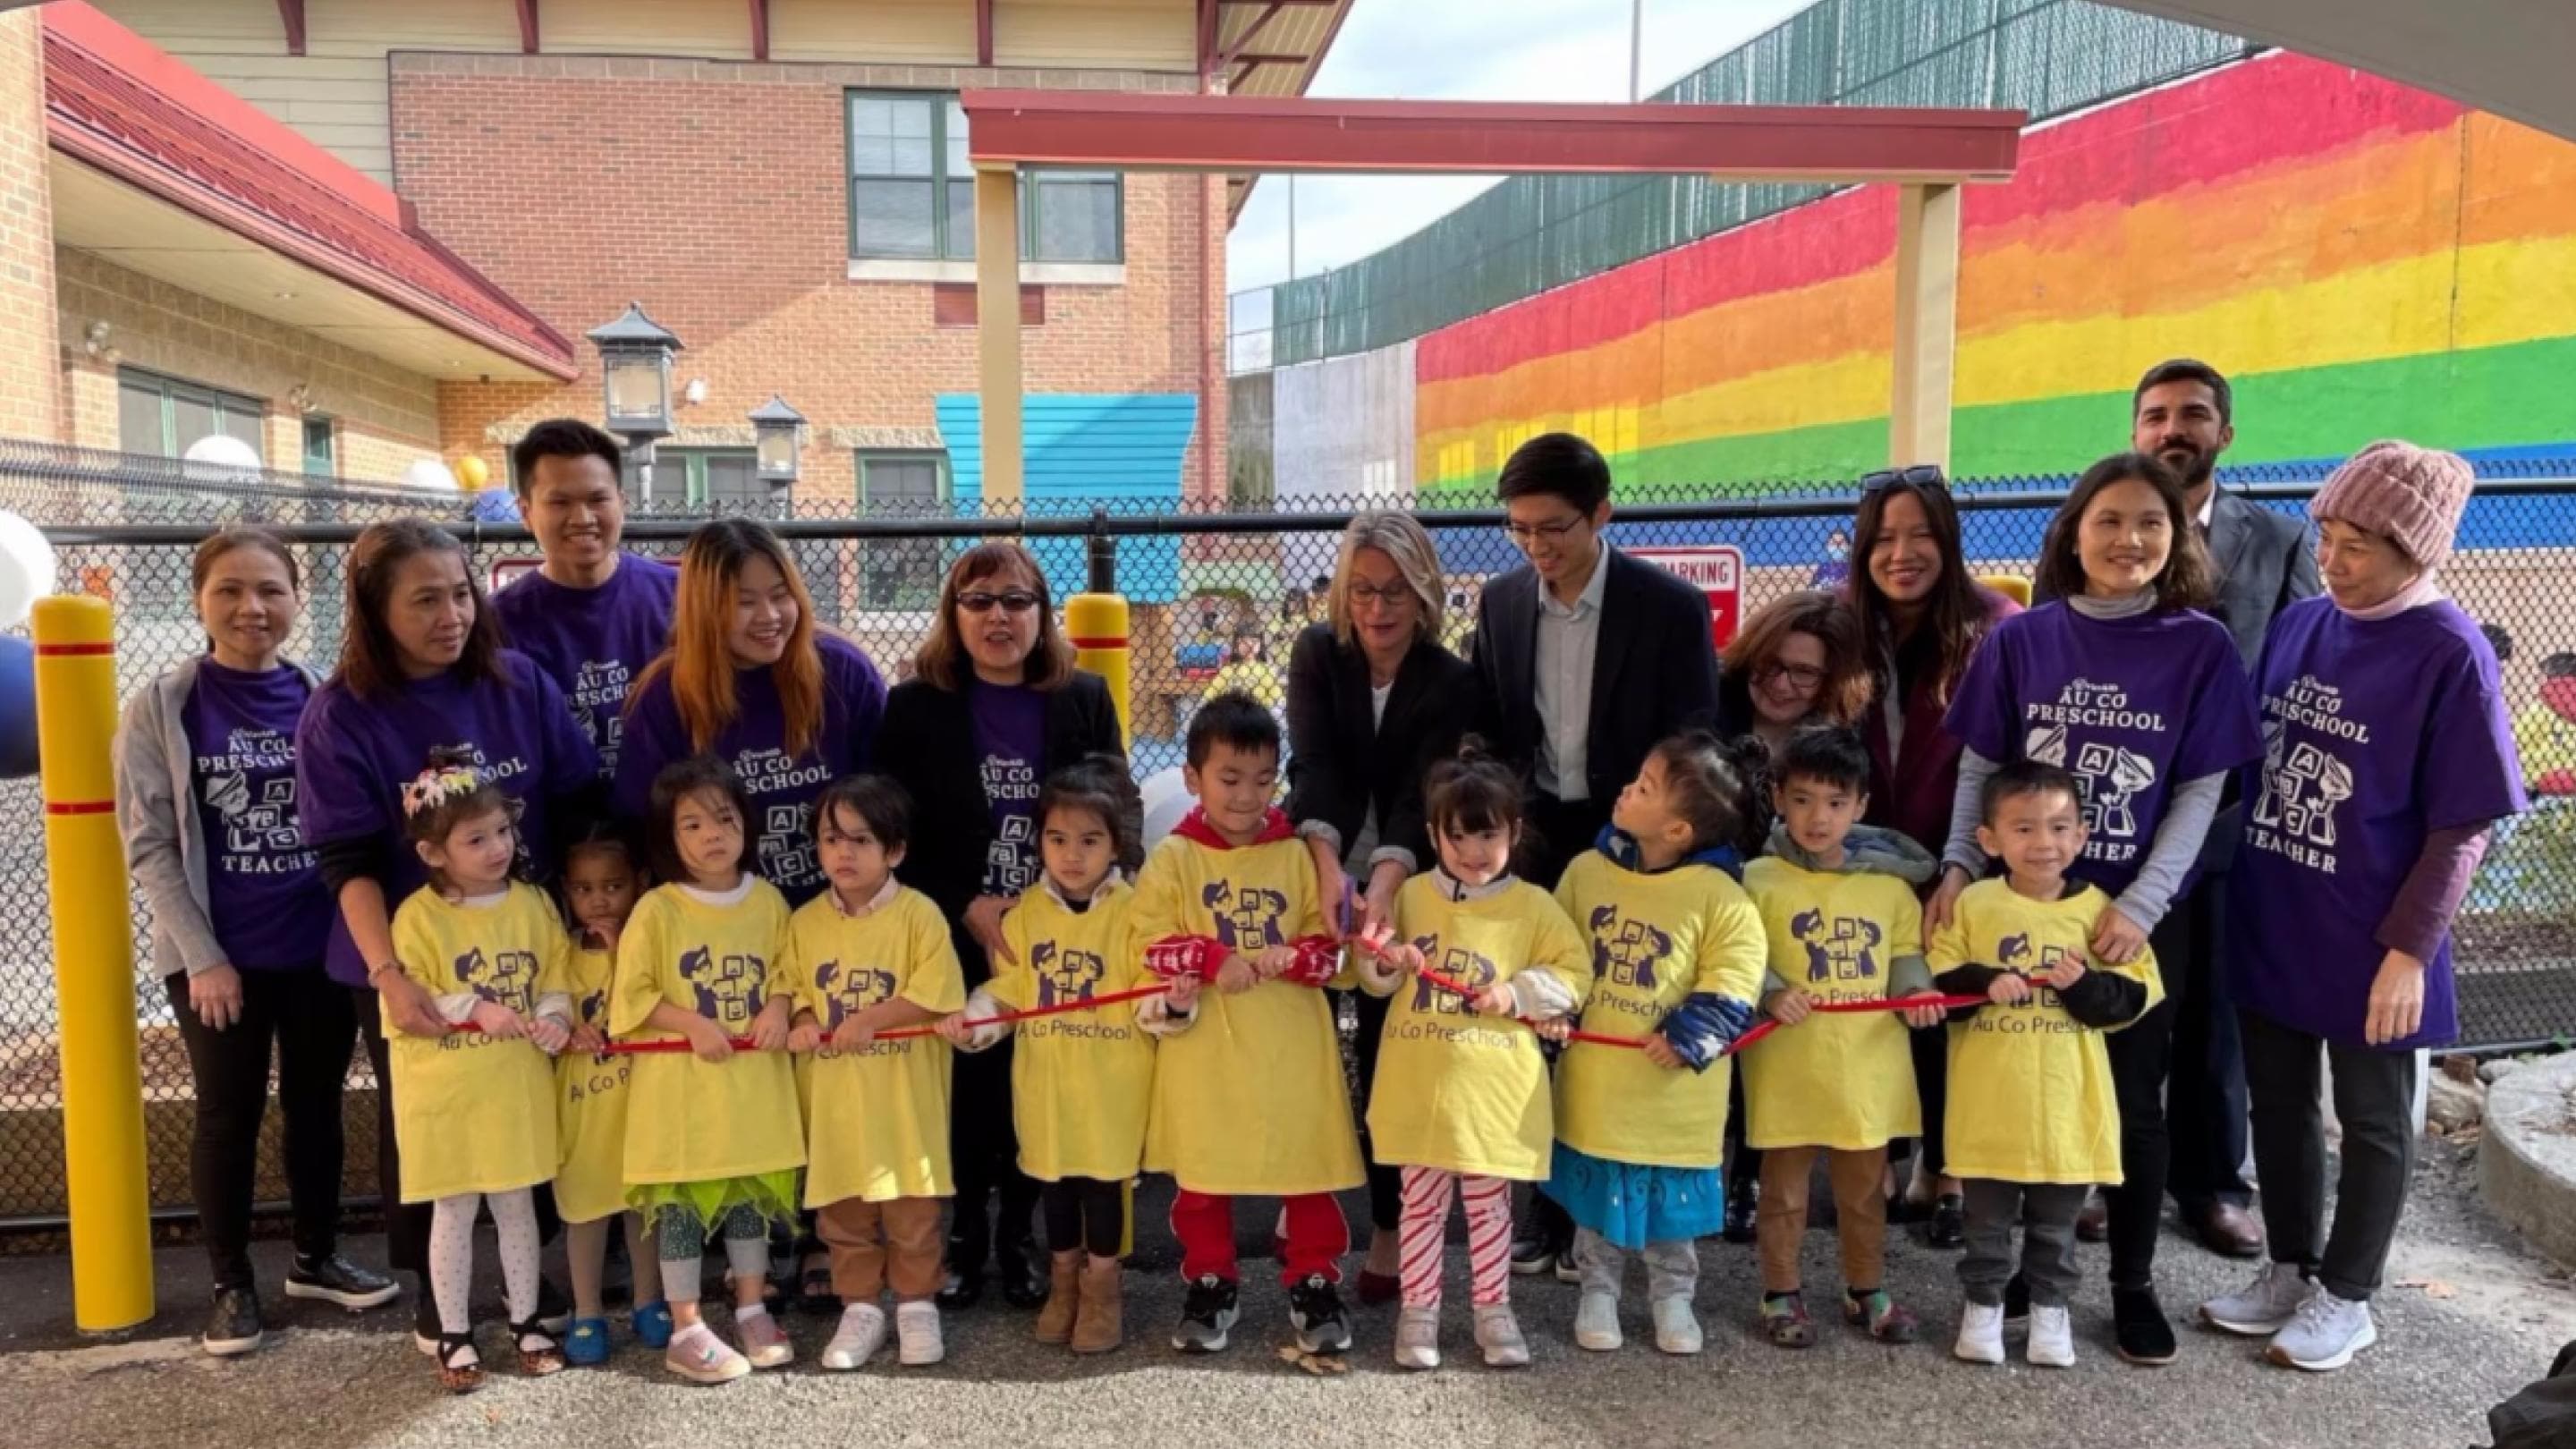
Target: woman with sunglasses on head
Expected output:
[1921,619]
[994,705]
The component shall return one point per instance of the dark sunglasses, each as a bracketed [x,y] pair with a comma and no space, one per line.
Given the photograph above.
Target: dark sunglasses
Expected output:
[1017,601]
[1921,475]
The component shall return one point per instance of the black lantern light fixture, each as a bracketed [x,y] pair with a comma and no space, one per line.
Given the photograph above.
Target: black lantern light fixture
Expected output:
[635,367]
[778,439]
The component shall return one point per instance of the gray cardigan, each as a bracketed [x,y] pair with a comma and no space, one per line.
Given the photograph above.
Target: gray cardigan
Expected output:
[165,843]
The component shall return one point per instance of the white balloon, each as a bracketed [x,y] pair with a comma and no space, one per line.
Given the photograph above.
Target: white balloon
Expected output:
[1167,799]
[429,473]
[26,569]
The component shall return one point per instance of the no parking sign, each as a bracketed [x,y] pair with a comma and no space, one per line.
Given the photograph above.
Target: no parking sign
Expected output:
[1716,570]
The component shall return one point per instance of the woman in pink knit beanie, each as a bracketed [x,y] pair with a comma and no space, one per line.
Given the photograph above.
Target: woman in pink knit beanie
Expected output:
[2387,757]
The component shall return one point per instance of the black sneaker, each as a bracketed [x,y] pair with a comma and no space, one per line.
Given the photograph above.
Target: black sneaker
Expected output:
[234,1327]
[1315,1311]
[2016,1304]
[337,1280]
[554,1310]
[1207,1314]
[1742,1205]
[1534,1248]
[961,1292]
[1948,1226]
[2138,1325]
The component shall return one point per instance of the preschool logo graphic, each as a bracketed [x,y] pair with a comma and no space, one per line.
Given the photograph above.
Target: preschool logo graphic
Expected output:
[2112,775]
[848,992]
[593,1007]
[1838,947]
[1626,953]
[2303,784]
[1065,976]
[598,692]
[1010,863]
[728,989]
[506,978]
[2015,954]
[1247,919]
[1459,964]
[260,833]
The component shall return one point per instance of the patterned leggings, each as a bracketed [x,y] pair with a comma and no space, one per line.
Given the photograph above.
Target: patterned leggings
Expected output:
[1488,1200]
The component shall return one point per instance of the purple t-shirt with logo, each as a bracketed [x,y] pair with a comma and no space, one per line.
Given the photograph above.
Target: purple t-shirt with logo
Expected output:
[1010,754]
[264,891]
[2132,707]
[781,789]
[353,756]
[593,642]
[2375,734]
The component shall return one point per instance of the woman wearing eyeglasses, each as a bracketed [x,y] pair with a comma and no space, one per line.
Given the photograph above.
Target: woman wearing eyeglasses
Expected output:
[994,704]
[1796,662]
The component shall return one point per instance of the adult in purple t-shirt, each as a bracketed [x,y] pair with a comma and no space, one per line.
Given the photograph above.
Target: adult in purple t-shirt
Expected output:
[751,679]
[205,792]
[2387,756]
[994,704]
[592,616]
[422,669]
[2122,681]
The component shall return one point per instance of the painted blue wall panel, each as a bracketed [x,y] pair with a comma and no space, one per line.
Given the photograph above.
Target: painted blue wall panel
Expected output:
[1120,451]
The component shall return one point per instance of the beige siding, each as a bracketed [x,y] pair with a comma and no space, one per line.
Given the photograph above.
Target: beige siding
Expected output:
[713,29]
[921,32]
[1128,34]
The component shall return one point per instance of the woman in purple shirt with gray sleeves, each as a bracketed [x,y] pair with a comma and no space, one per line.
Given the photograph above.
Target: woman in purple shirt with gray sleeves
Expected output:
[2387,757]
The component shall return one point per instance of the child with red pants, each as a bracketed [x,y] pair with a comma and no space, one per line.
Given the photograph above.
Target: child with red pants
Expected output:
[1250,1101]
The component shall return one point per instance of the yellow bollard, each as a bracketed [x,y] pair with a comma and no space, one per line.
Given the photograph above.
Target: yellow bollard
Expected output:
[93,966]
[1097,624]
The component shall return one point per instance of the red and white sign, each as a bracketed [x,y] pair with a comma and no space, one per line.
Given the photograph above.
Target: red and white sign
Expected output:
[1716,570]
[506,569]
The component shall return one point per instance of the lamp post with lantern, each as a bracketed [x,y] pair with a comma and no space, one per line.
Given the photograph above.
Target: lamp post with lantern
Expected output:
[635,373]
[778,442]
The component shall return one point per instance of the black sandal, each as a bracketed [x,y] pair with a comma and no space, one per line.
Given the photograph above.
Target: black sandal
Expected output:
[458,1378]
[536,1363]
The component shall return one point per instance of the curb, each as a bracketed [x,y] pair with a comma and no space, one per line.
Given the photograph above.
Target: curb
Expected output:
[2527,1162]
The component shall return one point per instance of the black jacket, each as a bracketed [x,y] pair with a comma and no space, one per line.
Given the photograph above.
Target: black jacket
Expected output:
[1654,671]
[927,742]
[1341,760]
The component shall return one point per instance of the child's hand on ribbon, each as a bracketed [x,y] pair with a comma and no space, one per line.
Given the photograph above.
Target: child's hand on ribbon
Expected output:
[769,1028]
[805,1036]
[1925,1016]
[549,1034]
[1789,1006]
[953,1028]
[1494,1000]
[1274,961]
[1181,995]
[709,1041]
[589,1039]
[2008,989]
[853,1034]
[498,1022]
[1239,975]
[1555,1028]
[2067,971]
[1660,1052]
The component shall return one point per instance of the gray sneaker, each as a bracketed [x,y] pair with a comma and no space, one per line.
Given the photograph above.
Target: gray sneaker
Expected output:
[2263,1307]
[2325,1335]
[1207,1316]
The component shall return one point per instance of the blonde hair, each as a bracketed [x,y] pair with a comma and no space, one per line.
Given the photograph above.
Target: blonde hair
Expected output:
[1403,540]
[699,662]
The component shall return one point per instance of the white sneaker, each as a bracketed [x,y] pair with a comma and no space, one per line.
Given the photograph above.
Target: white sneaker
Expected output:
[861,1334]
[1676,1331]
[1596,1322]
[2052,1336]
[696,1354]
[764,1343]
[916,1334]
[2263,1307]
[1498,1333]
[1981,1334]
[2325,1335]
[1417,1338]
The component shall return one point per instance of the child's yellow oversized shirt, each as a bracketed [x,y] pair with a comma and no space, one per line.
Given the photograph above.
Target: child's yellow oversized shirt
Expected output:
[879,1126]
[1080,1082]
[591,1092]
[689,1120]
[474,1113]
[1833,1081]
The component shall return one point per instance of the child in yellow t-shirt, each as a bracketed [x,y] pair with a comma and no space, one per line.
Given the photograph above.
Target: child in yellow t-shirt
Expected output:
[1677,957]
[713,1137]
[1838,908]
[1250,1101]
[474,1116]
[1461,1098]
[1081,1082]
[2032,1119]
[601,880]
[868,956]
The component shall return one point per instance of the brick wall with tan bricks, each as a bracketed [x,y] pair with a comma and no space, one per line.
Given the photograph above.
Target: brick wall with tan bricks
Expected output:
[30,376]
[716,193]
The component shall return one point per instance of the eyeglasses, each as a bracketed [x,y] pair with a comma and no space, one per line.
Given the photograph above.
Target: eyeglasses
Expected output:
[1392,594]
[1017,601]
[1805,676]
[1526,534]
[1921,475]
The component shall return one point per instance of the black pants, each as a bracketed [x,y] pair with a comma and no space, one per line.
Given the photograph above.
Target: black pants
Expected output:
[1086,1213]
[1931,1049]
[2205,1107]
[1559,830]
[2374,1095]
[1743,1164]
[2142,1059]
[1385,1184]
[307,1018]
[407,1224]
[985,1150]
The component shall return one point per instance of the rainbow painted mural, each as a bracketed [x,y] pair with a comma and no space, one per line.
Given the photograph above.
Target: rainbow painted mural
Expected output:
[2364,260]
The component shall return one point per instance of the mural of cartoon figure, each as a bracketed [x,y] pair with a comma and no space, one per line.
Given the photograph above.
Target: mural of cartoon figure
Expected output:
[1626,954]
[505,978]
[1837,949]
[1458,964]
[1252,921]
[728,991]
[849,991]
[249,828]
[1065,976]
[2300,792]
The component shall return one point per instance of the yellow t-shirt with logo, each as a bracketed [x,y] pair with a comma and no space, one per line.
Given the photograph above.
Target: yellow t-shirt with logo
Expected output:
[2030,1086]
[1455,1090]
[689,1120]
[880,1114]
[1080,1082]
[1655,940]
[474,1113]
[591,1095]
[1833,1081]
[1249,1100]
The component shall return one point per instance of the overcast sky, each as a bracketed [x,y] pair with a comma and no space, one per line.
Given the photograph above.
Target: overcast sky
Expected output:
[1479,50]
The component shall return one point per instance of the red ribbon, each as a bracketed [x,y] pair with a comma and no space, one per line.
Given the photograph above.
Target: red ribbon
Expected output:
[901,1033]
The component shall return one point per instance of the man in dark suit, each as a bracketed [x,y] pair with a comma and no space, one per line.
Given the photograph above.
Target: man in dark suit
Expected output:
[1586,658]
[2183,412]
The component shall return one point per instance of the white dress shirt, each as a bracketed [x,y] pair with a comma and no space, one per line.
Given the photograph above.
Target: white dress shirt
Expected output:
[1569,639]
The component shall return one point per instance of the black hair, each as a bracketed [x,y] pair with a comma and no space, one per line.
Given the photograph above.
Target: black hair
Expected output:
[2187,580]
[1717,786]
[1236,720]
[879,800]
[2499,639]
[2558,665]
[1557,464]
[1100,785]
[1470,790]
[561,438]
[678,781]
[2188,369]
[2025,777]
[606,836]
[1828,754]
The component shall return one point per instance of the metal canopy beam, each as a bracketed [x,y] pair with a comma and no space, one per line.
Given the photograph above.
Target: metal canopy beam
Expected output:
[290,13]
[527,27]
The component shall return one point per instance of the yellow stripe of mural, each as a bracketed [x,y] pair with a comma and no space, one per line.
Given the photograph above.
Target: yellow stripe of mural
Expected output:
[2518,291]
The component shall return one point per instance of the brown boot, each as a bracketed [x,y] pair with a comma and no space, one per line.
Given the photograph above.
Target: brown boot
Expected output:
[1055,1320]
[1101,1326]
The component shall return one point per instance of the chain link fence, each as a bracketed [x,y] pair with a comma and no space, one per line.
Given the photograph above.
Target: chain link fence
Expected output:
[1217,597]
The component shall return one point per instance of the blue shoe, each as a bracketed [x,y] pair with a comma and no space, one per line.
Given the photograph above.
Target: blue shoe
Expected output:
[653,1324]
[587,1345]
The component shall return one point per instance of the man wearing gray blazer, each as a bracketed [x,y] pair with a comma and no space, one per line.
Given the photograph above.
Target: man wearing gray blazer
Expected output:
[2183,412]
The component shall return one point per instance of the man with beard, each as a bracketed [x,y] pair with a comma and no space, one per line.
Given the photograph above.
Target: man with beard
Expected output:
[2183,413]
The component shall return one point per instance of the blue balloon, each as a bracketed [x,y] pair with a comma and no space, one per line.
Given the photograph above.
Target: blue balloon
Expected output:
[493,505]
[17,708]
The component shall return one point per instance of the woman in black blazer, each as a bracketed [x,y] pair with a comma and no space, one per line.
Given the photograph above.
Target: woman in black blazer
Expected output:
[994,704]
[1373,702]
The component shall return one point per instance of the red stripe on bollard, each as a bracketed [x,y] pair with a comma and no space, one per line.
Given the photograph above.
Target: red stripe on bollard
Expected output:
[1083,643]
[79,807]
[62,651]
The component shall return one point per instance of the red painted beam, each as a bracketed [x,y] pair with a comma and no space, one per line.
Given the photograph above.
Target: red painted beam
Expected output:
[984,32]
[527,27]
[760,29]
[1207,38]
[291,14]
[1265,57]
[1248,133]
